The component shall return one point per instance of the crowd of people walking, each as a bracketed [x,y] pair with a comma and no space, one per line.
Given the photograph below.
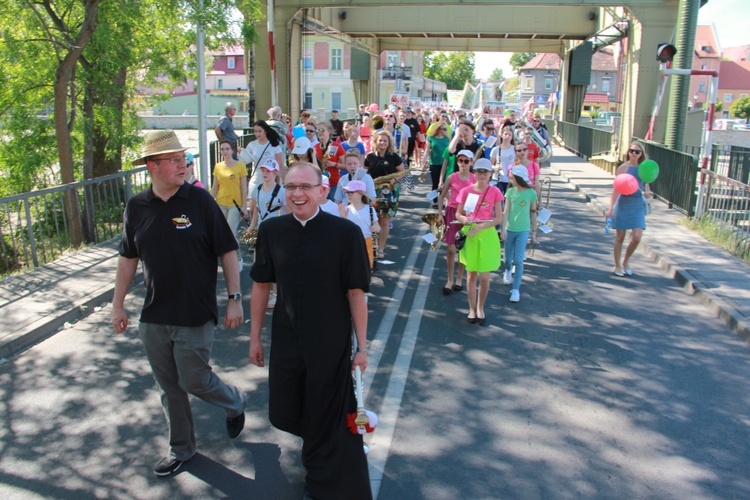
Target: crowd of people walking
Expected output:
[320,198]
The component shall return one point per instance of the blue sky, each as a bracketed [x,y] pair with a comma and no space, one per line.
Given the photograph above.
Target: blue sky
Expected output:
[730,17]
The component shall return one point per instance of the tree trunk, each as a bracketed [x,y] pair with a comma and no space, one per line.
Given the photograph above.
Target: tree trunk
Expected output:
[63,79]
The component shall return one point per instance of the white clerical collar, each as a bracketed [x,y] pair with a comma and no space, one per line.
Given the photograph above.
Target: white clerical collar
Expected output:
[303,222]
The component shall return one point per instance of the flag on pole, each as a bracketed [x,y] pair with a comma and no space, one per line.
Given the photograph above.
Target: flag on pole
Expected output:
[525,107]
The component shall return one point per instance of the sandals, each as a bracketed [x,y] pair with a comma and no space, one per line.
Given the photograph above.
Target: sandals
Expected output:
[618,272]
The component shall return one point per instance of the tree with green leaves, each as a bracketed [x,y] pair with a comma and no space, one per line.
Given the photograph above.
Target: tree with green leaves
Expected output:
[496,75]
[452,68]
[741,108]
[518,59]
[81,61]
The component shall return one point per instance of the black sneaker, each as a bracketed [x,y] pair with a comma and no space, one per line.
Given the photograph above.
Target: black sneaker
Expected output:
[168,466]
[235,425]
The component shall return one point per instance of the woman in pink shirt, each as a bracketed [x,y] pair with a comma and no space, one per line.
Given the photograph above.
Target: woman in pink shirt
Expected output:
[480,209]
[532,167]
[453,186]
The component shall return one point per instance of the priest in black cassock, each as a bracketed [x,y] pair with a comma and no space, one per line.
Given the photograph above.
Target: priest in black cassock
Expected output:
[321,267]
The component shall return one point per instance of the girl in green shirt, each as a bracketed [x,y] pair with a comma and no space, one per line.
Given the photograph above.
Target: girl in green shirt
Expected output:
[520,217]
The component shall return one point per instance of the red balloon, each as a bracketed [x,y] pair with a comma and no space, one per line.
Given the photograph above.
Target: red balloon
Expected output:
[373,107]
[626,184]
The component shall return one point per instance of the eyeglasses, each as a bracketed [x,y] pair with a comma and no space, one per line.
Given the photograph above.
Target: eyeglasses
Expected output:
[481,171]
[175,160]
[537,121]
[389,116]
[349,193]
[310,131]
[521,150]
[304,187]
[322,130]
[463,161]
[635,151]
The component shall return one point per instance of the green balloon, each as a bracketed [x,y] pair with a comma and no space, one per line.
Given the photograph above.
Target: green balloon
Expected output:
[648,171]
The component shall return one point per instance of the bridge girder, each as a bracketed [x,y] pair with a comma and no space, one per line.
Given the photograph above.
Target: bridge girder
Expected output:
[554,26]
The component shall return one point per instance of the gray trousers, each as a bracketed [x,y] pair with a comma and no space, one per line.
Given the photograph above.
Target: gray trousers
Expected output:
[179,358]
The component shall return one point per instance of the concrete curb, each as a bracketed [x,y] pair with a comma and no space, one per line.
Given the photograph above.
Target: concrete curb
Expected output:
[47,326]
[692,285]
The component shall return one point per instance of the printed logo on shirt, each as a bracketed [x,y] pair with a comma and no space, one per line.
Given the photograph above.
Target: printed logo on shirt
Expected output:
[182,222]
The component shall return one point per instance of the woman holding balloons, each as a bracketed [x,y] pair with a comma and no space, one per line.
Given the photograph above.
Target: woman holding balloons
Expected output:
[627,204]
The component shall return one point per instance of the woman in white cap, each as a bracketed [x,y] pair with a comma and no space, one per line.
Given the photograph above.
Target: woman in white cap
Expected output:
[303,151]
[521,202]
[453,186]
[480,209]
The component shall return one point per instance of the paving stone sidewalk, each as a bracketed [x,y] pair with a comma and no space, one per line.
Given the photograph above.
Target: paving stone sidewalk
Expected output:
[714,276]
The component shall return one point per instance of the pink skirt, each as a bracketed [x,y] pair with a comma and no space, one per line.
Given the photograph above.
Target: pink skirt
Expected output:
[451,229]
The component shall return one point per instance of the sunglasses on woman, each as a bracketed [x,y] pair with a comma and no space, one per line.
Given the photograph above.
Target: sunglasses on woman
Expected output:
[635,151]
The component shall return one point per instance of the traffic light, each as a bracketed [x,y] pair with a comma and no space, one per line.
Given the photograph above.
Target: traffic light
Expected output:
[665,52]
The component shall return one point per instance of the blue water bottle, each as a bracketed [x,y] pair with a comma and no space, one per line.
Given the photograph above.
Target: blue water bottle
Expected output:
[608,225]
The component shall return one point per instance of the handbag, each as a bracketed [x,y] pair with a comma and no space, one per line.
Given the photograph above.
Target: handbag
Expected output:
[460,240]
[647,205]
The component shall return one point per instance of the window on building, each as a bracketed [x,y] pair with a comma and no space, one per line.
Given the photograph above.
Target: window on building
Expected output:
[336,58]
[307,61]
[230,62]
[392,60]
[336,100]
[728,98]
[702,87]
[529,82]
[308,104]
[219,83]
[605,85]
[548,83]
[704,65]
[742,96]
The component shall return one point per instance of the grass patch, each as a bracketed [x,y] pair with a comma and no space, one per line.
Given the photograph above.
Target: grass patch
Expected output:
[721,234]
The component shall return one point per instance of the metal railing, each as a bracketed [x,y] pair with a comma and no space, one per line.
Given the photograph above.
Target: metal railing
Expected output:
[34,227]
[584,141]
[677,183]
[732,162]
[727,202]
[214,155]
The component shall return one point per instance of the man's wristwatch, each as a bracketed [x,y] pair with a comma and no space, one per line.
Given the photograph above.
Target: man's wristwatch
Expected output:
[236,296]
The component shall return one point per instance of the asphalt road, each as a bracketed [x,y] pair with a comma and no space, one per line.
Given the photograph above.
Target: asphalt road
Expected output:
[592,386]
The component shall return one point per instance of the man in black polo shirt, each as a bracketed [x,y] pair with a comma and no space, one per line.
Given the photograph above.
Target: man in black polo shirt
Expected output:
[177,231]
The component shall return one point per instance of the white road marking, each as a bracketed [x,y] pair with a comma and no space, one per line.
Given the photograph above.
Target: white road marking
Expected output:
[388,415]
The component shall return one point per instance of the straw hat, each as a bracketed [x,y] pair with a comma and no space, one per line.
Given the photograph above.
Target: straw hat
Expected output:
[158,143]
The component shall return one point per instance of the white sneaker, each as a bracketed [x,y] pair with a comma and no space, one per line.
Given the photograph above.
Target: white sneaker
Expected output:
[515,296]
[507,277]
